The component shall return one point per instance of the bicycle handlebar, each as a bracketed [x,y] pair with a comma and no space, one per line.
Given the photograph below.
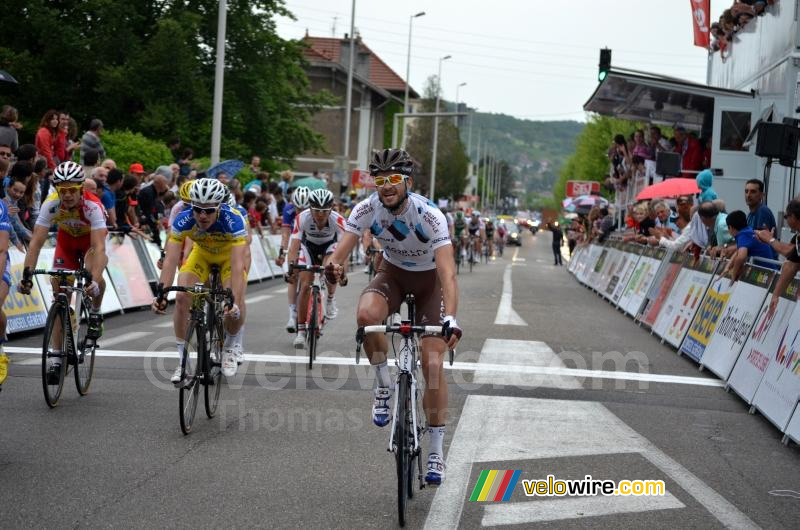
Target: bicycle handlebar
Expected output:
[227,293]
[310,268]
[405,329]
[65,272]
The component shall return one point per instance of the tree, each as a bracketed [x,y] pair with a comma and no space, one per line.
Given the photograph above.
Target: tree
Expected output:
[452,163]
[148,66]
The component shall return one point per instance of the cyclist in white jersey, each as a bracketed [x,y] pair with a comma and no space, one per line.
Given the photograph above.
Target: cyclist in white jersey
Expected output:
[298,203]
[314,236]
[477,229]
[418,260]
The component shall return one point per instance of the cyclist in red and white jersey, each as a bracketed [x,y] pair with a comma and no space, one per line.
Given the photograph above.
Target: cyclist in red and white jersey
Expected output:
[81,224]
[314,236]
[298,203]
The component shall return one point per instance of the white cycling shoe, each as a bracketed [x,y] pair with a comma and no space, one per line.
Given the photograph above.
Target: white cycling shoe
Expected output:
[435,474]
[229,363]
[330,308]
[380,406]
[176,375]
[300,340]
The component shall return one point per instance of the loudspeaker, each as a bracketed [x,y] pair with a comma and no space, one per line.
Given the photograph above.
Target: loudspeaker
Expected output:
[668,163]
[778,140]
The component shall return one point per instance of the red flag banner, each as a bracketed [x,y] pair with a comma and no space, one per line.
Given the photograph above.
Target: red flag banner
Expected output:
[700,18]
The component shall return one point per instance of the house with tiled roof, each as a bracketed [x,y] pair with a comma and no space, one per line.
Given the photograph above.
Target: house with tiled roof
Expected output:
[375,86]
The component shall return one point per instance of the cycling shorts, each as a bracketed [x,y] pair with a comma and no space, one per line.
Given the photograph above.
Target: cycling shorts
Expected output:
[312,254]
[394,283]
[199,263]
[69,250]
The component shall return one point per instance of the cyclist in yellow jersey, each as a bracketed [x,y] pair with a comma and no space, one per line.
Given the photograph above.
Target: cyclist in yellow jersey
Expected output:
[219,238]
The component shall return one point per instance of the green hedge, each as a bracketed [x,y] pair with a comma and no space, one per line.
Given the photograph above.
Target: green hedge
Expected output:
[126,147]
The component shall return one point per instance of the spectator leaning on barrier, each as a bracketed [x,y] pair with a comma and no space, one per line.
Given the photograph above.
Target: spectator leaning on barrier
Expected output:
[760,216]
[114,183]
[747,245]
[91,140]
[151,207]
[683,207]
[716,223]
[664,216]
[790,250]
[15,190]
[606,224]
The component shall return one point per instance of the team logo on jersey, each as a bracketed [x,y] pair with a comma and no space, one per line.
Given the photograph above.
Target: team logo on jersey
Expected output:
[399,230]
[421,235]
[375,229]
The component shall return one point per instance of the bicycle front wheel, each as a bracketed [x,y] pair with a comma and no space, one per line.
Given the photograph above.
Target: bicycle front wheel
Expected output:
[54,348]
[313,328]
[191,371]
[213,367]
[84,360]
[403,448]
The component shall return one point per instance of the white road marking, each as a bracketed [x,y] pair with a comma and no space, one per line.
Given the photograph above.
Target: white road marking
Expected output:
[284,289]
[506,316]
[125,337]
[515,353]
[514,258]
[495,428]
[573,508]
[301,358]
[258,298]
[164,325]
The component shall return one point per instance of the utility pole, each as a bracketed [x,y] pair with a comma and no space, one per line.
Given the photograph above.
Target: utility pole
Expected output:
[406,108]
[349,104]
[219,76]
[436,129]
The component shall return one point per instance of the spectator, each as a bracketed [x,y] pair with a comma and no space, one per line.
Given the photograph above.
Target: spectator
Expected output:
[114,184]
[109,164]
[6,152]
[90,186]
[760,216]
[151,206]
[640,148]
[255,165]
[15,190]
[704,180]
[32,200]
[26,153]
[260,182]
[715,222]
[100,176]
[8,127]
[658,142]
[174,146]
[46,137]
[792,264]
[65,142]
[286,180]
[185,162]
[558,242]
[683,207]
[136,170]
[747,245]
[278,197]
[606,224]
[91,140]
[125,198]
[690,151]
[90,159]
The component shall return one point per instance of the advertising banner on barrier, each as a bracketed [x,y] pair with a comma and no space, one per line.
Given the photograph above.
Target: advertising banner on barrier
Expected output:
[705,319]
[762,342]
[593,275]
[259,267]
[793,428]
[660,288]
[683,300]
[575,259]
[734,324]
[641,279]
[23,312]
[779,390]
[272,249]
[612,271]
[127,273]
[586,267]
[632,254]
[154,253]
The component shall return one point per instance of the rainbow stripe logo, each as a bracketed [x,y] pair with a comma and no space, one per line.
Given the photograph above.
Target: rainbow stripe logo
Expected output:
[494,485]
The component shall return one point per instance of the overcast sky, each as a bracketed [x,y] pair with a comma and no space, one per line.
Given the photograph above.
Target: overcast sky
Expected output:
[532,59]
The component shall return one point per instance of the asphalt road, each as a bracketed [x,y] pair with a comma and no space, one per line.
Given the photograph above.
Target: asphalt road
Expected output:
[293,448]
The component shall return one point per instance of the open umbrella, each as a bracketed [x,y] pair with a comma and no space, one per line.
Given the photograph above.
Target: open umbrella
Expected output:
[310,182]
[8,78]
[229,167]
[589,201]
[669,188]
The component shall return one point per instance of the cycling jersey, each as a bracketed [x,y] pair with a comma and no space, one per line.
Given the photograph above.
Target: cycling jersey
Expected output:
[474,228]
[179,207]
[489,230]
[76,222]
[226,232]
[306,229]
[5,224]
[408,239]
[288,215]
[459,225]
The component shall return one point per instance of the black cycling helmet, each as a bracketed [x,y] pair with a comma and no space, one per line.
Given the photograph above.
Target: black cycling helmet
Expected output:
[391,160]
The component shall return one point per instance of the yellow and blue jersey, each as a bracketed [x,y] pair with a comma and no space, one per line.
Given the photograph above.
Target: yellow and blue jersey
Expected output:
[226,232]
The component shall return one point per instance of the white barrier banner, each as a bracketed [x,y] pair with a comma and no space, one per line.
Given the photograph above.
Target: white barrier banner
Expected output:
[762,343]
[23,312]
[597,255]
[779,390]
[642,278]
[575,259]
[127,273]
[660,288]
[612,273]
[604,276]
[154,252]
[706,318]
[259,266]
[632,259]
[683,301]
[272,250]
[793,428]
[594,274]
[734,325]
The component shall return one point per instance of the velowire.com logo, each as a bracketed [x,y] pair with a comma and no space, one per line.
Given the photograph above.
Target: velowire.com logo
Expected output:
[494,485]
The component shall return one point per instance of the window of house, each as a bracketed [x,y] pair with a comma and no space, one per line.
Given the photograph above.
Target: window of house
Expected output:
[734,130]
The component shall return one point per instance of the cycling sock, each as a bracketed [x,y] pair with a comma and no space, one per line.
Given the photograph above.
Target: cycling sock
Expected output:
[228,344]
[292,310]
[382,373]
[238,338]
[436,433]
[181,345]
[301,327]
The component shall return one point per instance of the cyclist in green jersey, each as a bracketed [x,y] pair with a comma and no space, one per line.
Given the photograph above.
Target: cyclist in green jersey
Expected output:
[459,231]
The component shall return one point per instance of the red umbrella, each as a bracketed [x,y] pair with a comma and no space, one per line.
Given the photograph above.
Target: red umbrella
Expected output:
[668,189]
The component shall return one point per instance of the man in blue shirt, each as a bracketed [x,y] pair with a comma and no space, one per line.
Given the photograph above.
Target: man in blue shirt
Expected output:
[760,216]
[747,245]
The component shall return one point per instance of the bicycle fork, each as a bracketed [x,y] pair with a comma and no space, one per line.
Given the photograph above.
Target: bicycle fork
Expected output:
[414,420]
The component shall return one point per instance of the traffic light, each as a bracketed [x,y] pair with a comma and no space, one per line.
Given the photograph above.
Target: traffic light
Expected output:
[605,64]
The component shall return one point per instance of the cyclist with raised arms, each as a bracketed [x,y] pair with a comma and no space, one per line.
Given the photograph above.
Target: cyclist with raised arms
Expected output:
[81,224]
[299,202]
[418,260]
[314,237]
[219,238]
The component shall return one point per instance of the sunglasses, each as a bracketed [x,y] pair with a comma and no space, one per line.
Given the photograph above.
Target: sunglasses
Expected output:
[207,211]
[394,180]
[321,210]
[70,189]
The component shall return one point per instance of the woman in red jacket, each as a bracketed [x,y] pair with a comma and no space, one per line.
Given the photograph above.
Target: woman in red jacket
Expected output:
[46,136]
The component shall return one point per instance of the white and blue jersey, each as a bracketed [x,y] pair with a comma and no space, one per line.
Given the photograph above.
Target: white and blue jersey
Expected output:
[288,215]
[410,239]
[5,224]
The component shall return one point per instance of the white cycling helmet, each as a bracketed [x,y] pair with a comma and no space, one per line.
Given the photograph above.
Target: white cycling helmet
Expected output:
[232,201]
[208,191]
[68,171]
[320,199]
[476,213]
[300,197]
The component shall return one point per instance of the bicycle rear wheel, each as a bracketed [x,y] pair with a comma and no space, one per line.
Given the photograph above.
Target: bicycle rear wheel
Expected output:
[191,368]
[403,449]
[213,367]
[55,323]
[84,360]
[313,327]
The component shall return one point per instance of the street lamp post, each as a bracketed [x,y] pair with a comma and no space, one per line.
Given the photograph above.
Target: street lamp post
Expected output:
[406,108]
[349,98]
[219,75]
[457,102]
[436,127]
